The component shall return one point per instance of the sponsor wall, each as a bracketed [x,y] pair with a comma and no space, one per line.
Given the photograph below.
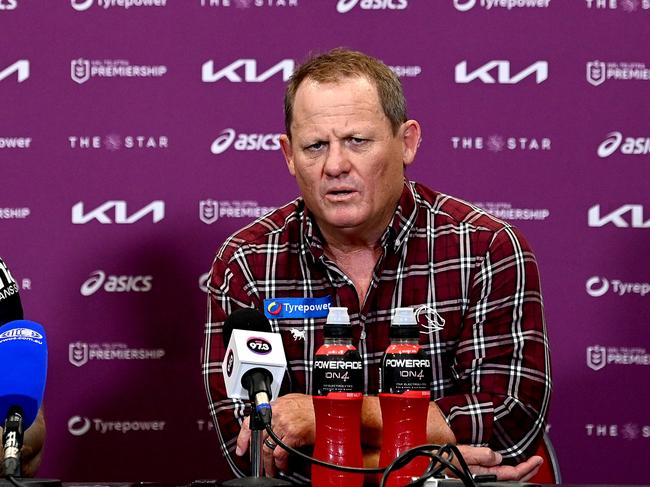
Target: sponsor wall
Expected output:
[136,135]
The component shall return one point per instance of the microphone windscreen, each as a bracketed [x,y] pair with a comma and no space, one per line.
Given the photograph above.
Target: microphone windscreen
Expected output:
[23,368]
[10,307]
[245,319]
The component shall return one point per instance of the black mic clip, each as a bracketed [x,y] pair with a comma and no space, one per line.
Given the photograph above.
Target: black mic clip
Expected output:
[12,439]
[258,384]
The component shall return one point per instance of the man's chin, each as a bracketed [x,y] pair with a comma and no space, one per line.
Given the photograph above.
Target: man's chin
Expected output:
[344,223]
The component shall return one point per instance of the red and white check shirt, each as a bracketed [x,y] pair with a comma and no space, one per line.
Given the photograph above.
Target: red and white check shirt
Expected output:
[473,278]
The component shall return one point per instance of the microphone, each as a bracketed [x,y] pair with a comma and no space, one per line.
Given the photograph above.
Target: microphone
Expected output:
[23,361]
[10,307]
[254,363]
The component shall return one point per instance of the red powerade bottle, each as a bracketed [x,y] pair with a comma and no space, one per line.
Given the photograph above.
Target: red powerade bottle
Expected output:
[405,392]
[338,385]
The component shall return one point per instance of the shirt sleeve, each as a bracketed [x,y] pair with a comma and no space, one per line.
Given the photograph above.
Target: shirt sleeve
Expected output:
[502,363]
[228,290]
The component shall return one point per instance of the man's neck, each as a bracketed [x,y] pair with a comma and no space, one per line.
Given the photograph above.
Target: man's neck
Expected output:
[357,260]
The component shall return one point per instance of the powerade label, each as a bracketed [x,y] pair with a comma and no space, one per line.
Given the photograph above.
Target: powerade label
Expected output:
[297,308]
[405,367]
[337,368]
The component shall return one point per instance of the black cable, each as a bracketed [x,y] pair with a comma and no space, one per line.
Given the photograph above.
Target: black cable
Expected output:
[437,465]
[342,468]
[15,481]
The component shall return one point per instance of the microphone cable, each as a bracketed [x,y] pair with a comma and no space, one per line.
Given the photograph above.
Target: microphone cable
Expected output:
[15,482]
[441,459]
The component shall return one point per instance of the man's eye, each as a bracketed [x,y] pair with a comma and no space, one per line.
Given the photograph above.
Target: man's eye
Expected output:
[356,140]
[315,146]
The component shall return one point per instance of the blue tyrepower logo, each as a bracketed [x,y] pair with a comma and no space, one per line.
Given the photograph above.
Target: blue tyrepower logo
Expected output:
[297,308]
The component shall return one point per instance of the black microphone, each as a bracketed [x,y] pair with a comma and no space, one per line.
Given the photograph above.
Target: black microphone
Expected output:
[23,358]
[10,307]
[254,363]
[253,368]
[23,354]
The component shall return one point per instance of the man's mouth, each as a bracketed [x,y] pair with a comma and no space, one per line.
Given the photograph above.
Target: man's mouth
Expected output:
[339,193]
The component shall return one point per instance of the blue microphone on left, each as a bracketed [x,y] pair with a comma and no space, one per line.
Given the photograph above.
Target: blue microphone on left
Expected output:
[23,370]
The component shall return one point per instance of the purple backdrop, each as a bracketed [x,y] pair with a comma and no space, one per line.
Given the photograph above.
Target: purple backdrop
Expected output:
[137,134]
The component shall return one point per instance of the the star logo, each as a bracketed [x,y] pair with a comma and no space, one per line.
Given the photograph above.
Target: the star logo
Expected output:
[495,143]
[630,5]
[113,142]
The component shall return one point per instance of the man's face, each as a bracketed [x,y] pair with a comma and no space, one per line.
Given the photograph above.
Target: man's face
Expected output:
[347,162]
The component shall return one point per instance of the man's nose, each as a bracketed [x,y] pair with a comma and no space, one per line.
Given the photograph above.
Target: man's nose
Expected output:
[337,161]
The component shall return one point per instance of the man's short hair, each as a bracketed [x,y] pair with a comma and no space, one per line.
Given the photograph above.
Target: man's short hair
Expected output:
[340,63]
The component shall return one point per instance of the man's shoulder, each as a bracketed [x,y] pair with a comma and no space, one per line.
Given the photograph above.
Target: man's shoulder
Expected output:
[282,225]
[450,210]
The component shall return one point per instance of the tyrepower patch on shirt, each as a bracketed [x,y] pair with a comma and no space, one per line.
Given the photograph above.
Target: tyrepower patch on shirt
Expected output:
[297,308]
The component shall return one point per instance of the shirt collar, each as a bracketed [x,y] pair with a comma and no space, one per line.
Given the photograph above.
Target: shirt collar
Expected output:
[403,219]
[395,235]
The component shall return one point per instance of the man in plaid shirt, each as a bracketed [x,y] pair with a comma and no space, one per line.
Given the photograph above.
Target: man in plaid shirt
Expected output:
[364,237]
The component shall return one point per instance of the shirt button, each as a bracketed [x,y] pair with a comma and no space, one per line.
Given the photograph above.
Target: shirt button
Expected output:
[363,335]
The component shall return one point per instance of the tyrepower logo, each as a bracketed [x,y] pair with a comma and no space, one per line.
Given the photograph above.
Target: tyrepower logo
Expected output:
[246,71]
[82,5]
[626,216]
[625,145]
[115,284]
[244,142]
[81,425]
[20,68]
[8,5]
[501,69]
[597,286]
[344,6]
[465,5]
[119,212]
[15,142]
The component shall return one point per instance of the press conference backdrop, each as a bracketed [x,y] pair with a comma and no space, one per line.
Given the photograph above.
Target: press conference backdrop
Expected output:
[136,135]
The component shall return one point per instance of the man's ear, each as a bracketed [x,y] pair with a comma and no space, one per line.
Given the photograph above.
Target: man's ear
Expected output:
[410,134]
[287,151]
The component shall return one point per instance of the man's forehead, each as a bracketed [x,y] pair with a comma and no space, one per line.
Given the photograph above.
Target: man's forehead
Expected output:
[313,86]
[315,96]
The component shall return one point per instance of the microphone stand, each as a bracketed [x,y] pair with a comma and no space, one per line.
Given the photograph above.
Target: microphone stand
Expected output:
[257,466]
[12,439]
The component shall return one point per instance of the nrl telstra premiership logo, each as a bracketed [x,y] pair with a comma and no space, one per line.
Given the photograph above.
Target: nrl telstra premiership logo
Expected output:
[596,72]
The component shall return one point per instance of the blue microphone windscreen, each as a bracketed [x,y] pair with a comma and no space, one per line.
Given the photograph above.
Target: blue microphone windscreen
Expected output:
[23,368]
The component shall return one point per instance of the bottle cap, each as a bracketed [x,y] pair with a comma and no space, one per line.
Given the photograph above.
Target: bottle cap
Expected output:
[338,316]
[404,324]
[338,323]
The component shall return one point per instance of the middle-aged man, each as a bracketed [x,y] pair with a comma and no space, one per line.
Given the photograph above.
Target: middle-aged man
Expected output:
[364,237]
